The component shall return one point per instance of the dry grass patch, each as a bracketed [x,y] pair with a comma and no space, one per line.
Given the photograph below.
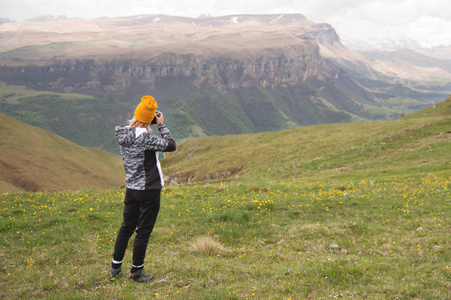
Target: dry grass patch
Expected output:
[207,245]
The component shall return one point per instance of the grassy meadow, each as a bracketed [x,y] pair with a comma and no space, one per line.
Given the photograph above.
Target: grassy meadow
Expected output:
[353,211]
[385,238]
[411,145]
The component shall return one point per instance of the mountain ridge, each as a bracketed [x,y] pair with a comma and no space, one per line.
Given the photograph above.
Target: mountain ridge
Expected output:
[387,44]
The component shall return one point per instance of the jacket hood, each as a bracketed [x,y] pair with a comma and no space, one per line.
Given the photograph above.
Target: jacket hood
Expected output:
[125,135]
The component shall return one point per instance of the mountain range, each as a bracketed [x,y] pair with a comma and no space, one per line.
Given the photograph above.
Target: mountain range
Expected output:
[210,76]
[388,44]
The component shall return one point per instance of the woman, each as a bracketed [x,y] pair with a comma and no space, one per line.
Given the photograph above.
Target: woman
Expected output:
[144,181]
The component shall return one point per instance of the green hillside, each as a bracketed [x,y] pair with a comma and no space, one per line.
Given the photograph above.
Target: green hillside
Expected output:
[440,109]
[84,120]
[89,120]
[417,143]
[35,159]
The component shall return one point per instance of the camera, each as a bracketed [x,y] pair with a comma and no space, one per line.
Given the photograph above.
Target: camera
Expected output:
[157,114]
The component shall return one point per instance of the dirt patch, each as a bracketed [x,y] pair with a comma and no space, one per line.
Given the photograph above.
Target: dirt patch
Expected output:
[223,173]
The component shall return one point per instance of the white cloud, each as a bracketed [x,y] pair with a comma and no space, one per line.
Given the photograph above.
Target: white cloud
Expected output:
[424,26]
[427,22]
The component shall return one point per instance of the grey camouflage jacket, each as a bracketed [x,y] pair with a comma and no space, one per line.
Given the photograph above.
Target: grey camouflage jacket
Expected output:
[139,151]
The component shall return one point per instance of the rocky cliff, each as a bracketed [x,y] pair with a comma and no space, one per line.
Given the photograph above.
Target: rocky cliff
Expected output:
[226,53]
[267,68]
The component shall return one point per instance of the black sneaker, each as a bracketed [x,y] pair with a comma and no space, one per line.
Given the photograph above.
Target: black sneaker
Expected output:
[140,276]
[115,273]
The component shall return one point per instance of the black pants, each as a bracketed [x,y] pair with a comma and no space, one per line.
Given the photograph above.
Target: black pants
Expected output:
[140,213]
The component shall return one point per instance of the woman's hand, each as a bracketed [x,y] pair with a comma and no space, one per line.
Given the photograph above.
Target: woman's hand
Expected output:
[159,117]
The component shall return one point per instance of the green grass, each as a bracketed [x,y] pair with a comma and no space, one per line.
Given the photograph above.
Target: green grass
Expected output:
[350,150]
[13,93]
[239,241]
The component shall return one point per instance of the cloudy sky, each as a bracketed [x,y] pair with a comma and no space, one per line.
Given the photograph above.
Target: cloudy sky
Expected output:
[426,21]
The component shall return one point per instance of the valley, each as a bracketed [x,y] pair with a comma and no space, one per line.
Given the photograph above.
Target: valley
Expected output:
[246,73]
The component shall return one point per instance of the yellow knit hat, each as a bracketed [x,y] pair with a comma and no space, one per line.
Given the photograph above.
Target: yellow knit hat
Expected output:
[145,111]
